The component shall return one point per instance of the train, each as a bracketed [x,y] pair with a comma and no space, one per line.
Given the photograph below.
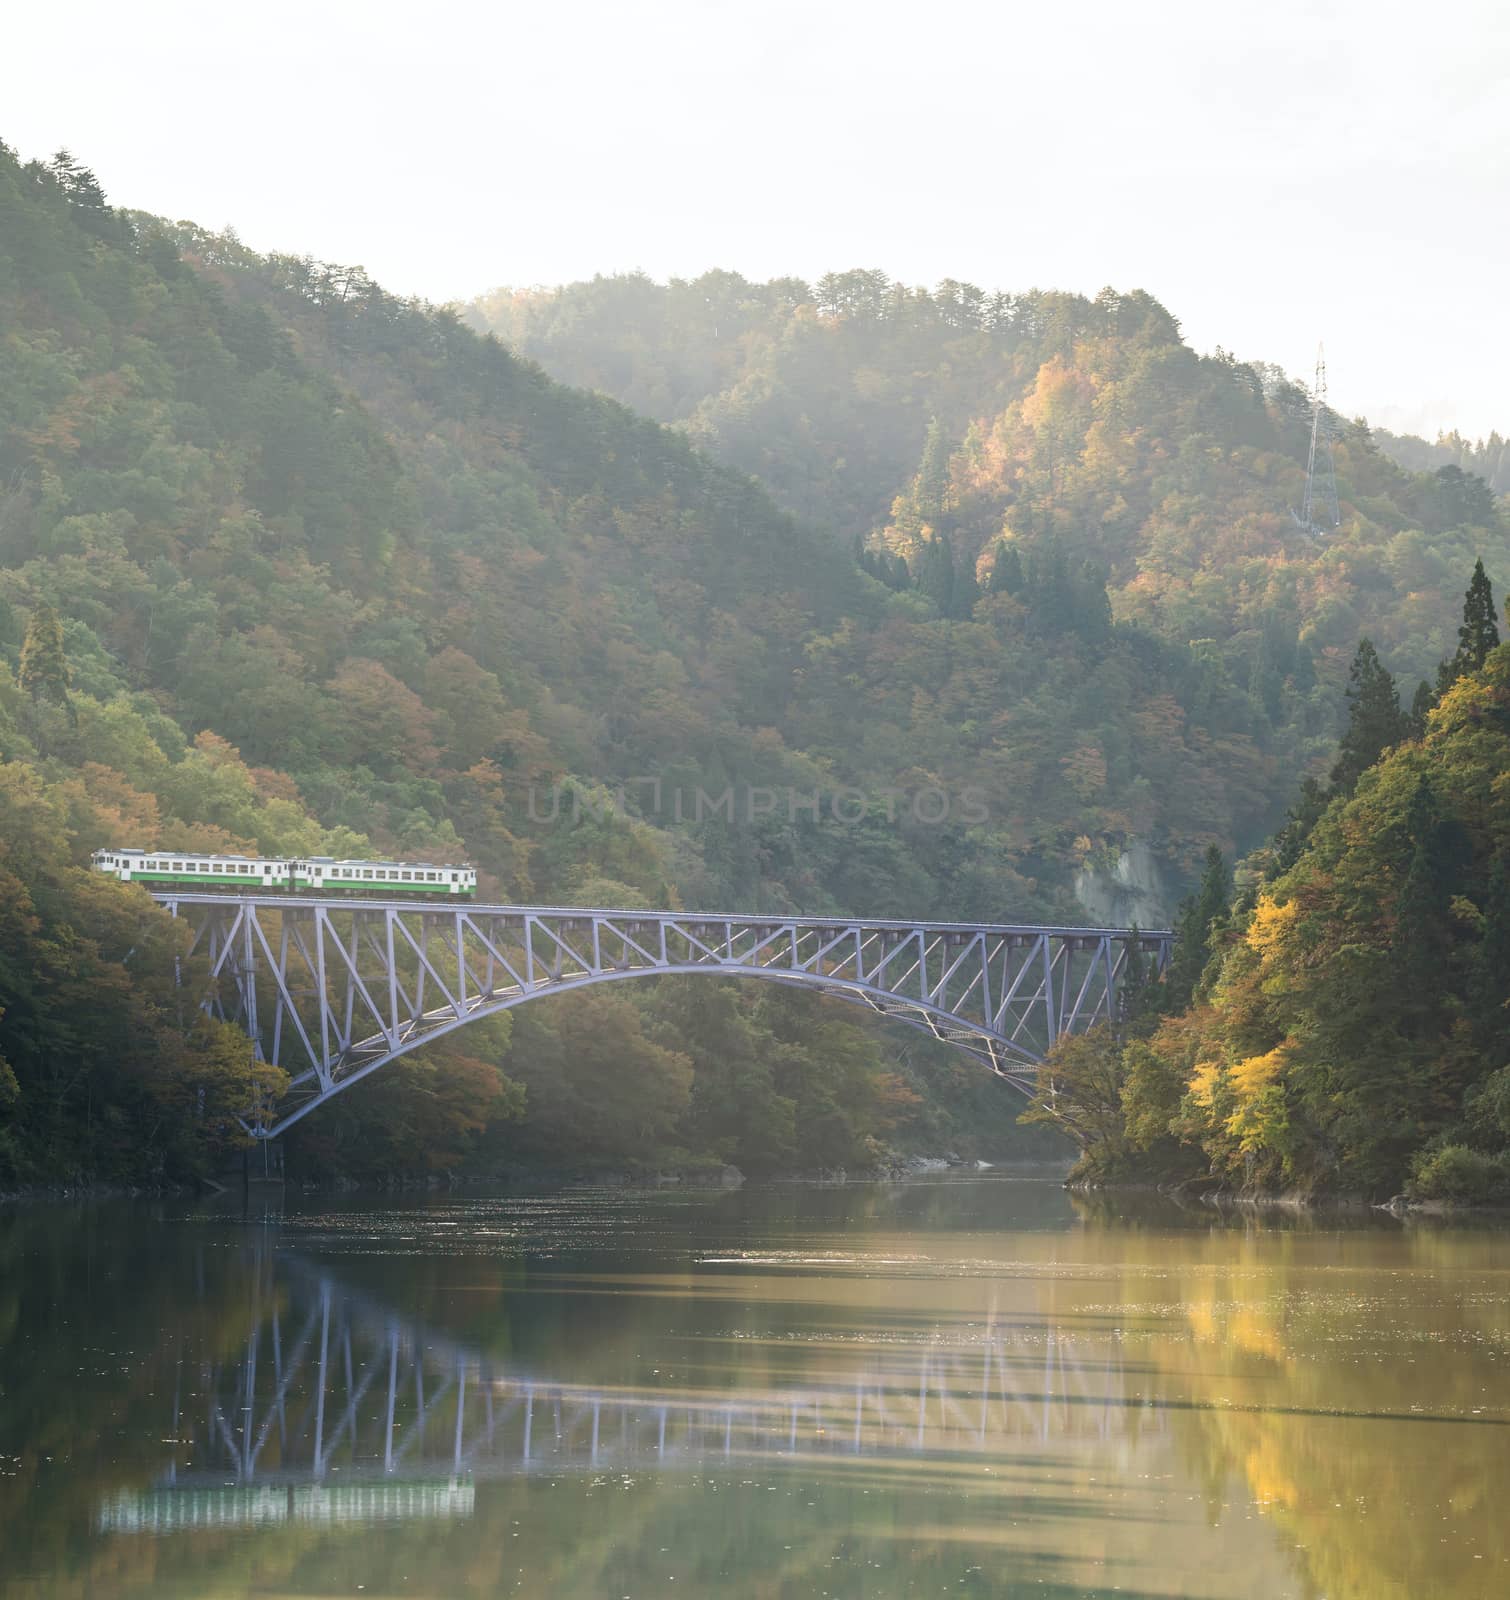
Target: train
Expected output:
[229,873]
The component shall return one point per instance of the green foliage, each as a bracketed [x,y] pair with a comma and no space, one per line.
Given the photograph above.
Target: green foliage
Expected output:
[1477,636]
[44,664]
[936,578]
[334,574]
[1348,1030]
[1199,915]
[1454,1173]
[1374,722]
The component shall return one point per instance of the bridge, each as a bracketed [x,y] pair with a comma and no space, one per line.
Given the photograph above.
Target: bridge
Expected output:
[334,1407]
[331,990]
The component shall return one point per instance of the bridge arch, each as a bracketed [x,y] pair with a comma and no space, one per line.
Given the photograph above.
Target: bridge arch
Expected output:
[333,990]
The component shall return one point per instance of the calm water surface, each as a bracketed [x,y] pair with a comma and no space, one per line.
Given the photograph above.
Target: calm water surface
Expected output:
[938,1388]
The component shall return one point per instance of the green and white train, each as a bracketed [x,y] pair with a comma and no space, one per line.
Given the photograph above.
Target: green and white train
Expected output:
[376,880]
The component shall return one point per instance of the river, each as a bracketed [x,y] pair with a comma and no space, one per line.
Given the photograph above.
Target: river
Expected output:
[977,1387]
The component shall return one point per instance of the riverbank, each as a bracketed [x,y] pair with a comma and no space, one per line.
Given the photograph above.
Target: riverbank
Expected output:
[1225,1198]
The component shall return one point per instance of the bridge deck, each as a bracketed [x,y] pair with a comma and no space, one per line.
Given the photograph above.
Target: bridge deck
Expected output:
[744,919]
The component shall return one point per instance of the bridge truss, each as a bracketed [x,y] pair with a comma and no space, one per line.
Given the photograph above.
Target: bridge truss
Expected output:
[332,990]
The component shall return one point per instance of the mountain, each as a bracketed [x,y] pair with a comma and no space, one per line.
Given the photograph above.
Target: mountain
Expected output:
[288,563]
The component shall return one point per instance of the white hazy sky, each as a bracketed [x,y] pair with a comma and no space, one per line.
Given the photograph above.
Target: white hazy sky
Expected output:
[1276,172]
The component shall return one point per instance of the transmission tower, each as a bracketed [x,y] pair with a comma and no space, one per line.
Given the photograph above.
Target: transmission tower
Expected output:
[1321,494]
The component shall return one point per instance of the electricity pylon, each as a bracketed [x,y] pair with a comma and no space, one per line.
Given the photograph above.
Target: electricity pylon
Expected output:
[1323,494]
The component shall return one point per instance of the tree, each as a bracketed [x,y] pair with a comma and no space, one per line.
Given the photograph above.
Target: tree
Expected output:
[966,593]
[1457,499]
[1421,703]
[936,574]
[44,664]
[1006,571]
[1491,968]
[1374,719]
[1079,1090]
[1421,910]
[1478,635]
[1301,818]
[1192,941]
[931,486]
[1135,1000]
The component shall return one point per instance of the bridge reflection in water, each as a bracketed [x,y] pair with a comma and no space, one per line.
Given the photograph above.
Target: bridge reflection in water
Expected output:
[335,1409]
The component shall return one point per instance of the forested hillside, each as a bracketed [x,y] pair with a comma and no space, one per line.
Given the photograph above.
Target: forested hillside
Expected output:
[1077,431]
[1341,1021]
[289,564]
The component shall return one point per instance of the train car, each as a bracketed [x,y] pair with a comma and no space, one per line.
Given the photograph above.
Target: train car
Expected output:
[374,880]
[382,880]
[182,870]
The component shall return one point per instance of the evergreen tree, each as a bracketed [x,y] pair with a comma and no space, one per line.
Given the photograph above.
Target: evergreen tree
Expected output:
[1423,937]
[1374,719]
[1135,1000]
[1421,703]
[44,666]
[936,574]
[1479,633]
[1491,966]
[1006,571]
[966,593]
[931,486]
[1092,604]
[1192,941]
[1300,820]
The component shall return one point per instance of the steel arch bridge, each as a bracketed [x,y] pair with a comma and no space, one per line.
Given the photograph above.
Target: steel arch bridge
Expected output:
[331,989]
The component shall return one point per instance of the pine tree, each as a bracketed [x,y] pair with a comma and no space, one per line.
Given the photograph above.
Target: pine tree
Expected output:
[1374,719]
[1199,913]
[931,486]
[936,574]
[1490,991]
[966,593]
[1135,998]
[1006,571]
[1479,633]
[1424,699]
[44,665]
[1092,604]
[1299,821]
[1423,939]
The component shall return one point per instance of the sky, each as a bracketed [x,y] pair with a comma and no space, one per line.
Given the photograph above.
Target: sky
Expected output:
[1277,174]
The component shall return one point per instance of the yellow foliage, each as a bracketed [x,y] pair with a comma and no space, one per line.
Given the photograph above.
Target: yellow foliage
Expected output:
[1203,1082]
[1270,924]
[1253,1076]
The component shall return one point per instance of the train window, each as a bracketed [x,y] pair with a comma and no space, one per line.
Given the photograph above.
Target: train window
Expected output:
[367,872]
